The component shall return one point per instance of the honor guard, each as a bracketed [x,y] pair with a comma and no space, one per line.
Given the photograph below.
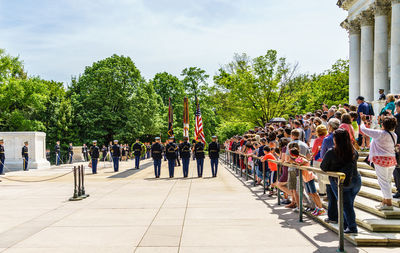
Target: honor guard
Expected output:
[213,152]
[85,152]
[57,150]
[170,150]
[156,154]
[184,151]
[2,157]
[25,156]
[94,154]
[199,154]
[137,151]
[116,154]
[70,153]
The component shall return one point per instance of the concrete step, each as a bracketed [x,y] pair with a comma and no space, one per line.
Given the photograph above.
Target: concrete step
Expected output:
[368,205]
[364,237]
[375,194]
[363,165]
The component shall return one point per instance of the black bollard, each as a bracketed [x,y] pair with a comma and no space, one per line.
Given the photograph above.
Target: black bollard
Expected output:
[84,195]
[79,181]
[75,197]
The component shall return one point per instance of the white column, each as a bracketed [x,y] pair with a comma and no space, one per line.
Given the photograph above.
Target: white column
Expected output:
[395,48]
[367,56]
[354,66]
[381,72]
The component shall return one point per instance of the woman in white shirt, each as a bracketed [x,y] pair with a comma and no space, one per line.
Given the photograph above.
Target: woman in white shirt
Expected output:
[382,154]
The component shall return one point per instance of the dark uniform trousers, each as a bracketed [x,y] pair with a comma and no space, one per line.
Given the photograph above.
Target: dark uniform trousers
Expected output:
[25,162]
[396,175]
[214,166]
[157,167]
[185,166]
[171,166]
[116,163]
[200,166]
[58,158]
[94,165]
[1,165]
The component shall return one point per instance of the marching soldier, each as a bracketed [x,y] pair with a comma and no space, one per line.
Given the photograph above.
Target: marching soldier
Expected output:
[156,154]
[2,157]
[85,153]
[184,151]
[25,156]
[94,154]
[116,154]
[137,151]
[213,152]
[57,150]
[70,153]
[171,149]
[199,154]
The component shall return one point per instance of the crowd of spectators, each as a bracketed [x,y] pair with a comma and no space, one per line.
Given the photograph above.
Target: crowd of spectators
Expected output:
[330,139]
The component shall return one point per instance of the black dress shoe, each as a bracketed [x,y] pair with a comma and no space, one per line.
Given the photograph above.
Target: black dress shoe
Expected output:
[350,231]
[397,195]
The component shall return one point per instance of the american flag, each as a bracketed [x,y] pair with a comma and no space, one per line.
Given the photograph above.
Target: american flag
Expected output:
[199,125]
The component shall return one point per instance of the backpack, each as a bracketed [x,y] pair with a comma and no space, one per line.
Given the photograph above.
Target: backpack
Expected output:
[371,109]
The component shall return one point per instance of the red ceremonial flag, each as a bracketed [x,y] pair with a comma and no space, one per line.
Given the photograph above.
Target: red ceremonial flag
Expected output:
[199,134]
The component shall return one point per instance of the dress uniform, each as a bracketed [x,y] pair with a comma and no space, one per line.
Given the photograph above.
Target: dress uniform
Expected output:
[156,154]
[85,152]
[116,154]
[70,153]
[137,151]
[104,153]
[199,154]
[171,149]
[2,157]
[213,152]
[94,154]
[184,151]
[57,150]
[25,156]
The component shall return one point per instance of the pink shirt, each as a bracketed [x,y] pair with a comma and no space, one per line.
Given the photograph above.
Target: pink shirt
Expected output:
[349,128]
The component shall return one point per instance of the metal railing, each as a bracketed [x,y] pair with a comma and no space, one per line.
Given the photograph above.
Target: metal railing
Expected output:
[237,160]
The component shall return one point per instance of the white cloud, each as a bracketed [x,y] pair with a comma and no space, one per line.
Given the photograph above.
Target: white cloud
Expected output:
[57,39]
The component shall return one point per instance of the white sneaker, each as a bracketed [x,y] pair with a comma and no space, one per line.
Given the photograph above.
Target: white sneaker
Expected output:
[296,210]
[384,207]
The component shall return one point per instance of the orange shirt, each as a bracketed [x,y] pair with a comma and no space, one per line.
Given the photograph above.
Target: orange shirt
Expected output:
[272,166]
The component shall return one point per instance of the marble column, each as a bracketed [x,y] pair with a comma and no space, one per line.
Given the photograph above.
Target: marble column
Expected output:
[367,56]
[395,48]
[381,64]
[354,65]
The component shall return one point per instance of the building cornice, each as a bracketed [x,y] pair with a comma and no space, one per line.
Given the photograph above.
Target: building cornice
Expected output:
[345,4]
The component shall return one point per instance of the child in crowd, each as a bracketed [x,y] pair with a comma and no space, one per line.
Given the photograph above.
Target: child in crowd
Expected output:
[273,167]
[309,180]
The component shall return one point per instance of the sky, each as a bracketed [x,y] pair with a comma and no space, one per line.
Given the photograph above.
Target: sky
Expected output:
[57,39]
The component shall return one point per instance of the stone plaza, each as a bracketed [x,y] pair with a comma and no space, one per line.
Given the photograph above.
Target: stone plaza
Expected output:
[130,211]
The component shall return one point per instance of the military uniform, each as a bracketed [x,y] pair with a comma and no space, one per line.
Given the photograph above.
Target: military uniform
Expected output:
[116,154]
[57,150]
[137,151]
[213,152]
[94,154]
[70,153]
[104,151]
[199,154]
[184,151]
[25,157]
[85,153]
[2,158]
[156,154]
[171,149]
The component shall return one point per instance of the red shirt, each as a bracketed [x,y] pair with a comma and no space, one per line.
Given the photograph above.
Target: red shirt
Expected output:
[272,166]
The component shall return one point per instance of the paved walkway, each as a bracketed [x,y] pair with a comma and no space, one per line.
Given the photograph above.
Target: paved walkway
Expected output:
[133,212]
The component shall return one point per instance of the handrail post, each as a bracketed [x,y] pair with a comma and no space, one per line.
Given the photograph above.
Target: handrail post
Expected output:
[246,171]
[278,191]
[340,218]
[231,160]
[254,173]
[301,196]
[240,166]
[264,179]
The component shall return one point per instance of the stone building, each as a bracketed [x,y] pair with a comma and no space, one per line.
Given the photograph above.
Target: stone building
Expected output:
[374,34]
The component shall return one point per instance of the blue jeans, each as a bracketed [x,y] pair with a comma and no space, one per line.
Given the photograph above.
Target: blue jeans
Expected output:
[349,194]
[185,166]
[332,202]
[200,165]
[214,166]
[94,165]
[25,163]
[137,161]
[116,163]
[1,165]
[157,167]
[171,166]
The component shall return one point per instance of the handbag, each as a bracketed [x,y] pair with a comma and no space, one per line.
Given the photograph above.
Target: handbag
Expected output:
[90,164]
